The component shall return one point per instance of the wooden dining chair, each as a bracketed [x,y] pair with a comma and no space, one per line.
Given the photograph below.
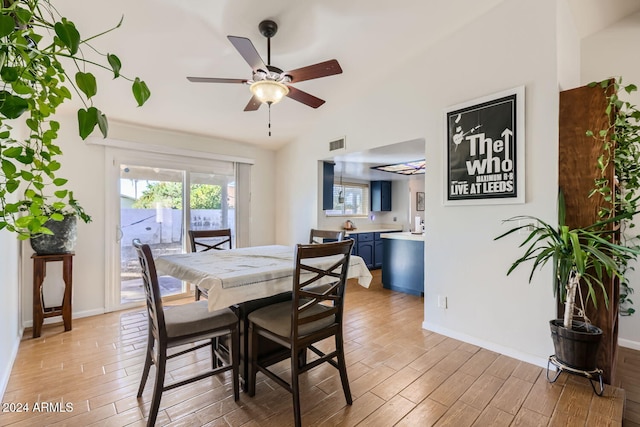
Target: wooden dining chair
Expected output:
[206,240]
[188,324]
[317,236]
[314,314]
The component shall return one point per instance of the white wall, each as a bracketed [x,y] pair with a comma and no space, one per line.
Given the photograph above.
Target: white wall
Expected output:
[416,184]
[462,260]
[10,327]
[613,52]
[514,44]
[84,166]
[568,53]
[10,311]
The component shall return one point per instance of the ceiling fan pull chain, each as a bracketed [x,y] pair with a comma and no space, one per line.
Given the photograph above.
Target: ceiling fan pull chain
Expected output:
[269,104]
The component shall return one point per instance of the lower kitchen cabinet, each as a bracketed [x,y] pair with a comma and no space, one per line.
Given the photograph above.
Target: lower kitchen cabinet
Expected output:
[403,266]
[368,246]
[377,251]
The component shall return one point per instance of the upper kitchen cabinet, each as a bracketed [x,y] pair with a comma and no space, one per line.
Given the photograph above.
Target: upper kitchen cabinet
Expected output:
[380,196]
[327,185]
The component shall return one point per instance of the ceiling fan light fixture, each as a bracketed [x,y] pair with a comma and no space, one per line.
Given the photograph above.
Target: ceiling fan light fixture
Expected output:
[269,91]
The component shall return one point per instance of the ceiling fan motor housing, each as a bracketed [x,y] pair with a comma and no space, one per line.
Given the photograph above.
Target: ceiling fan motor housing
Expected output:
[268,28]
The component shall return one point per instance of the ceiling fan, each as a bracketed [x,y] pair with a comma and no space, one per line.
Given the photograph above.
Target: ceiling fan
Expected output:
[270,84]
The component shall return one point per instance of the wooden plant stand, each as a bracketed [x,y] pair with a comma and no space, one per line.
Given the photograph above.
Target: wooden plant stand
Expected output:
[40,312]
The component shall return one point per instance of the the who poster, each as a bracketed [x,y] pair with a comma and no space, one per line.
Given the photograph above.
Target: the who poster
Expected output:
[485,150]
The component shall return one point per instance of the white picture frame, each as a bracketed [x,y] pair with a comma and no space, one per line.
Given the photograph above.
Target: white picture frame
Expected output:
[484,152]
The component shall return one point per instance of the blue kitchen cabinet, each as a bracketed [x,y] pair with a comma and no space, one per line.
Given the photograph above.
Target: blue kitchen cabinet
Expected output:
[403,266]
[377,251]
[380,196]
[366,248]
[327,185]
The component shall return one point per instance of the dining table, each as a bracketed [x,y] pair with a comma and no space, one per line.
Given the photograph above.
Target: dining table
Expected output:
[246,279]
[244,274]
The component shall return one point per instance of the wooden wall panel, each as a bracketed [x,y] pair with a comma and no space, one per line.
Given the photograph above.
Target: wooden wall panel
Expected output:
[583,109]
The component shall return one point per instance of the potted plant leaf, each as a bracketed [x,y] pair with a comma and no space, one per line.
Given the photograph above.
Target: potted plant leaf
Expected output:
[584,256]
[62,229]
[41,65]
[620,148]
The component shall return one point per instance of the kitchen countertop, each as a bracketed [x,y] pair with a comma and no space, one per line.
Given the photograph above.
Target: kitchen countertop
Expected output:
[403,236]
[371,230]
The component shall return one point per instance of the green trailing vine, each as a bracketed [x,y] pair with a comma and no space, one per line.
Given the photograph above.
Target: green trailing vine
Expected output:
[41,65]
[620,145]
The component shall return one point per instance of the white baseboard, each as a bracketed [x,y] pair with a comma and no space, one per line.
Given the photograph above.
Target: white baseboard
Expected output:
[535,360]
[58,319]
[634,345]
[4,381]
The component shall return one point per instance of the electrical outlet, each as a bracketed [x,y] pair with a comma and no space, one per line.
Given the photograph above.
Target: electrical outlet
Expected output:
[442,301]
[527,226]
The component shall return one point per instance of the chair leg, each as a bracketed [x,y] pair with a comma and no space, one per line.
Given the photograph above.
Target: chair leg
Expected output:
[234,350]
[215,345]
[158,387]
[147,365]
[295,385]
[198,293]
[342,367]
[253,362]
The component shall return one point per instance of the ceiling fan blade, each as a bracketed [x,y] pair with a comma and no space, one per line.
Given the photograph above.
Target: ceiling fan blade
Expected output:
[253,105]
[248,52]
[322,69]
[214,80]
[304,97]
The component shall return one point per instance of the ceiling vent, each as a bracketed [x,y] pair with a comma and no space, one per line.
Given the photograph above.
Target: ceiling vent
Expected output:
[338,144]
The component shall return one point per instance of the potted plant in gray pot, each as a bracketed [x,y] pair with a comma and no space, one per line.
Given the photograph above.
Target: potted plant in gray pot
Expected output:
[41,65]
[60,230]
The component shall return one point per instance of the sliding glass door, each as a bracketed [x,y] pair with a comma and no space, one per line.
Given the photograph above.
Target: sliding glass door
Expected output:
[152,210]
[212,202]
[159,198]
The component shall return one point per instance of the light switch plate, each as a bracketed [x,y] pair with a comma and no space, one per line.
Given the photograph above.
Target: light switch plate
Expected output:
[442,301]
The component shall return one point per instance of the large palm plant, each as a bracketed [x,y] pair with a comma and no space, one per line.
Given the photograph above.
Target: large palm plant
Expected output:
[586,254]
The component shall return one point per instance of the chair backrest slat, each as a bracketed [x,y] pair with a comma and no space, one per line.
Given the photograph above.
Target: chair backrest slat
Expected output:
[151,290]
[201,239]
[316,236]
[322,287]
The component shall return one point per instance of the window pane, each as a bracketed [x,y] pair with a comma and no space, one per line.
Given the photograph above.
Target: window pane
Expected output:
[350,199]
[151,210]
[212,202]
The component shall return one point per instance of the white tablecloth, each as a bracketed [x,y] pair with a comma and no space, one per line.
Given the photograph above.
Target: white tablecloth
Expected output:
[239,275]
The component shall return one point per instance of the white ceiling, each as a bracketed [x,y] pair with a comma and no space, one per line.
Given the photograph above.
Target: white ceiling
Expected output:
[164,41]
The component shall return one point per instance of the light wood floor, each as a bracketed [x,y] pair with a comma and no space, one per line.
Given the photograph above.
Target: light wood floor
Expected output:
[399,375]
[628,378]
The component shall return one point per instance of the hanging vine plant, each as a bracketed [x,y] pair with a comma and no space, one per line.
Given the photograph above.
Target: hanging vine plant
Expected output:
[620,146]
[37,47]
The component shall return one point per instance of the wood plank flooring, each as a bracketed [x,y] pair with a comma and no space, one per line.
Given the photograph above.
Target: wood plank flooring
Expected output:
[628,378]
[399,373]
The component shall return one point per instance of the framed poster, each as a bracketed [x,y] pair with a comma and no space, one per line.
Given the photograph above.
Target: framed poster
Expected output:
[484,155]
[420,201]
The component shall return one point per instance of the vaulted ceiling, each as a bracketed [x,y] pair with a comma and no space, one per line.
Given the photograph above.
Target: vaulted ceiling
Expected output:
[164,41]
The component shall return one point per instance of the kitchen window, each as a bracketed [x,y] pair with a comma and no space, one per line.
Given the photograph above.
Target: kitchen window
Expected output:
[350,199]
